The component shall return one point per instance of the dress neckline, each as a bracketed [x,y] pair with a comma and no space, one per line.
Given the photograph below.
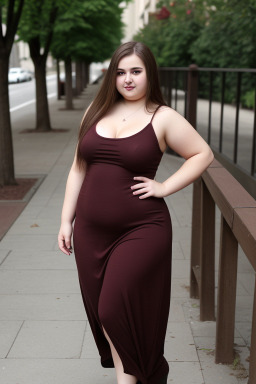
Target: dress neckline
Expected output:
[120,138]
[130,136]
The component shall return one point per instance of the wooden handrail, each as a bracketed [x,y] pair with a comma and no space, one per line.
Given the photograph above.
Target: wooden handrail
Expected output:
[238,226]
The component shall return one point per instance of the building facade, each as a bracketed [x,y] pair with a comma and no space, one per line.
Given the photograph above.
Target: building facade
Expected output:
[136,15]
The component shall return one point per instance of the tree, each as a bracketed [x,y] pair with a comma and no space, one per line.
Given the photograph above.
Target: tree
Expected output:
[10,13]
[172,31]
[229,37]
[36,28]
[86,31]
[213,33]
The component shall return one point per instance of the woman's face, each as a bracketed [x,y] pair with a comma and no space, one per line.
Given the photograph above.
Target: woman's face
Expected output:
[131,78]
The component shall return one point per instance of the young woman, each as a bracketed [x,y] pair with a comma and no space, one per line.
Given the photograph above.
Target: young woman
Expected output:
[122,231]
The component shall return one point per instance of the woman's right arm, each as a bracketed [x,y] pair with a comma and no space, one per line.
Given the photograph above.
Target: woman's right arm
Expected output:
[74,182]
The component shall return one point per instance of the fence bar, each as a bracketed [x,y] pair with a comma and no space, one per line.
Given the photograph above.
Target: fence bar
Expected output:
[192,94]
[169,89]
[225,324]
[253,163]
[238,92]
[210,108]
[222,109]
[207,253]
[176,89]
[185,82]
[195,240]
[252,368]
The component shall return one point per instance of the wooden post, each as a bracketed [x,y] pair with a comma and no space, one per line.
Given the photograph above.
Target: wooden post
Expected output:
[207,263]
[252,369]
[225,324]
[192,94]
[195,240]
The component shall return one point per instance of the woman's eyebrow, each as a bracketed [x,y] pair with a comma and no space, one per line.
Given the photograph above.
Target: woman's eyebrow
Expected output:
[121,69]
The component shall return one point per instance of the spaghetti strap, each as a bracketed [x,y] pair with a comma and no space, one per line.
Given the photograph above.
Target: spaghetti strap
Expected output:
[155,113]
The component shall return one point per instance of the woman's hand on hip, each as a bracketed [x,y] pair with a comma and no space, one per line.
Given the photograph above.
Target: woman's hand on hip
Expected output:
[148,187]
[64,238]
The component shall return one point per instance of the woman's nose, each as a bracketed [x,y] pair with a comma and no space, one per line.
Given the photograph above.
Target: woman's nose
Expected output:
[128,77]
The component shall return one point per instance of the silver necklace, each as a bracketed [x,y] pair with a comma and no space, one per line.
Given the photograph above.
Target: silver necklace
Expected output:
[126,117]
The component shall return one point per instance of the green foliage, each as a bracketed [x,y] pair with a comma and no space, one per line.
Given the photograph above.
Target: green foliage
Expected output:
[210,33]
[37,20]
[88,30]
[248,99]
[229,36]
[171,39]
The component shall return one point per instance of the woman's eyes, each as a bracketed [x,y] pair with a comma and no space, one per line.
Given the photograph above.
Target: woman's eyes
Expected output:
[134,72]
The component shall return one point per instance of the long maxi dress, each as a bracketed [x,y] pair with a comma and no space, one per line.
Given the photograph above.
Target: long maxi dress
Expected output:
[123,251]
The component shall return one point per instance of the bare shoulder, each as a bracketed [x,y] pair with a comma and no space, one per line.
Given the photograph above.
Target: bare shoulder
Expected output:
[168,117]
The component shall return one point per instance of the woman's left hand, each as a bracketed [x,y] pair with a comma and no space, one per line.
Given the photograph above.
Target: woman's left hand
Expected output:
[148,187]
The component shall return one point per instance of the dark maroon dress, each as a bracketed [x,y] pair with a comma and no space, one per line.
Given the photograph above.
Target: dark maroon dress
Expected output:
[123,248]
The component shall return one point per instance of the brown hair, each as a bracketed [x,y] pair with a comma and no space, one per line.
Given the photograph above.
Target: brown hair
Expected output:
[108,94]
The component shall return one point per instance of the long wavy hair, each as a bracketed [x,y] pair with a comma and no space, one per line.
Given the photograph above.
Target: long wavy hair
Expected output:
[108,95]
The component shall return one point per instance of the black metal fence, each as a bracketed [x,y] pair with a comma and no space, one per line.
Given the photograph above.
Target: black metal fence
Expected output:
[220,104]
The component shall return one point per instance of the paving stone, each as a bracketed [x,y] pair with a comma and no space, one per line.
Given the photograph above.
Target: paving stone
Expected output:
[206,347]
[180,269]
[248,281]
[55,371]
[244,308]
[26,242]
[32,212]
[89,348]
[8,333]
[185,372]
[176,313]
[203,328]
[38,260]
[33,227]
[179,288]
[42,307]
[44,281]
[3,255]
[49,339]
[244,329]
[218,373]
[179,343]
[177,251]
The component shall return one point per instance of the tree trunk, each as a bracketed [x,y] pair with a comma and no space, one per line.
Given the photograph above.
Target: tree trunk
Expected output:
[84,75]
[58,79]
[6,146]
[79,77]
[87,68]
[68,84]
[42,108]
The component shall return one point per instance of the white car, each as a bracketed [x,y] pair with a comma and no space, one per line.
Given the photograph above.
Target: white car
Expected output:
[16,75]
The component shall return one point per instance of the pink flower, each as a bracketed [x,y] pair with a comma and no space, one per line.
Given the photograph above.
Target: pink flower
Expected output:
[189,11]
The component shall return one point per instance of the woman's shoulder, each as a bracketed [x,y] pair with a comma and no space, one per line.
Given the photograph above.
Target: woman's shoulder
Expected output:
[166,113]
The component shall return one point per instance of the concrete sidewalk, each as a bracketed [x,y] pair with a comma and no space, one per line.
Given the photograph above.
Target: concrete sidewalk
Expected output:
[45,336]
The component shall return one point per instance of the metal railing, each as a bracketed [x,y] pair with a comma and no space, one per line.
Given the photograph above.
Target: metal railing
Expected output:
[217,186]
[218,89]
[238,226]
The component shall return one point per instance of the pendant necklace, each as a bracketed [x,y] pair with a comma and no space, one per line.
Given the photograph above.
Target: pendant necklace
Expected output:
[126,117]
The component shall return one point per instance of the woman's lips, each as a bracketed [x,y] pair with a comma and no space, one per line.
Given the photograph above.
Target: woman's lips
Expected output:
[129,88]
